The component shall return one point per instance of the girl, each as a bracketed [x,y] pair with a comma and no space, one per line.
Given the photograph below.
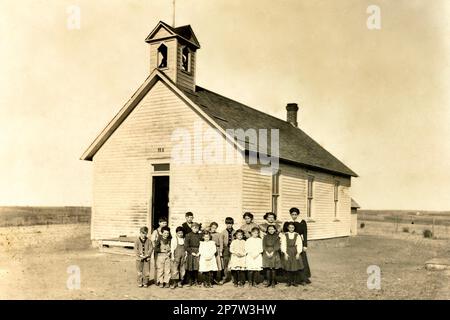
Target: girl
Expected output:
[192,243]
[248,225]
[253,259]
[291,246]
[271,255]
[237,260]
[302,229]
[215,236]
[271,218]
[178,259]
[207,265]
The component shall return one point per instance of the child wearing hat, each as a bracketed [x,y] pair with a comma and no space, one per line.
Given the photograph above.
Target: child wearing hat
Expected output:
[143,248]
[192,244]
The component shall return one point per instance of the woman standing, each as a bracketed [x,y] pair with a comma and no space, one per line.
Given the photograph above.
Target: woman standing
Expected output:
[248,225]
[271,219]
[302,229]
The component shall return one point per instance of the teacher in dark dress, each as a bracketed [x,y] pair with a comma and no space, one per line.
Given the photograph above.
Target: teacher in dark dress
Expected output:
[302,229]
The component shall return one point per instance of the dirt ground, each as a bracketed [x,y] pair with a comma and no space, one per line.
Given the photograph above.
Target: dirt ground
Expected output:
[34,262]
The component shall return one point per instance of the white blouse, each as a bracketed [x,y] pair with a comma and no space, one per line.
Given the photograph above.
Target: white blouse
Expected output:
[291,235]
[207,249]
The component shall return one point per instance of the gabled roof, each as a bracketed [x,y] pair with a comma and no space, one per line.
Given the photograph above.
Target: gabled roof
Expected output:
[294,145]
[184,32]
[355,204]
[223,113]
[140,93]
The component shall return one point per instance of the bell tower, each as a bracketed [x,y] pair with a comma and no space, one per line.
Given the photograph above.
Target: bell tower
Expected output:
[173,51]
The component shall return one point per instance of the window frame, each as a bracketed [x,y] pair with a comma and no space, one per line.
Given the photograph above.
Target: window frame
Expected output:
[309,196]
[189,60]
[275,191]
[159,54]
[336,186]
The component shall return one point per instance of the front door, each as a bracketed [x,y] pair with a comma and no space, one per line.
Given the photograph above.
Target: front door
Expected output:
[160,199]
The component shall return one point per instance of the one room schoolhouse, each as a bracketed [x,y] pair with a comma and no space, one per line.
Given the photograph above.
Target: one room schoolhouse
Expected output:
[167,151]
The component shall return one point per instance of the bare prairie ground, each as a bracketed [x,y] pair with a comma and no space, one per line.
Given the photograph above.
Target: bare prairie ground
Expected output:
[34,262]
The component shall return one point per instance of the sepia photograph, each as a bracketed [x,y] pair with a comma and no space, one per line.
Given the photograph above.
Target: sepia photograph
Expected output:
[224,150]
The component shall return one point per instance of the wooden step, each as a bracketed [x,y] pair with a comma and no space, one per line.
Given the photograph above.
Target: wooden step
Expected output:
[438,264]
[117,250]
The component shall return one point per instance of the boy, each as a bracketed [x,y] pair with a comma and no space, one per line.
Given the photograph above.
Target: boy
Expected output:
[162,250]
[187,226]
[144,249]
[156,234]
[178,263]
[225,239]
[215,236]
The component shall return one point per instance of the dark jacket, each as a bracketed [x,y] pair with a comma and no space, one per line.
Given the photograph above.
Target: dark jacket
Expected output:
[143,248]
[186,228]
[192,242]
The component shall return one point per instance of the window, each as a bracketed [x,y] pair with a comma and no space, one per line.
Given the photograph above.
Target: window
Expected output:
[275,191]
[162,56]
[161,167]
[185,60]
[310,196]
[336,197]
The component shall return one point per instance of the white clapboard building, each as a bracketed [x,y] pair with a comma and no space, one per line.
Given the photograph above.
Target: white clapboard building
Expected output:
[169,150]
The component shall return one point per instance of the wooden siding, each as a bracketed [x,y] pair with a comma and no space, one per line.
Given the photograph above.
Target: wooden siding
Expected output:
[211,192]
[122,171]
[257,194]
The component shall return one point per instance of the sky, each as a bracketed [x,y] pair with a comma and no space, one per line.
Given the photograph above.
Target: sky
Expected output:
[378,99]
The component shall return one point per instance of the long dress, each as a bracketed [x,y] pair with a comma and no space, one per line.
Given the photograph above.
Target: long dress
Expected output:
[302,229]
[207,250]
[291,245]
[271,244]
[237,247]
[192,244]
[253,249]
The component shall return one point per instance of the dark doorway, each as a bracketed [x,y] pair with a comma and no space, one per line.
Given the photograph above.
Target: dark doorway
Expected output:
[160,199]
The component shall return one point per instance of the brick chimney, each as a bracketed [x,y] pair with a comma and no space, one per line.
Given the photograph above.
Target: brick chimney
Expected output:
[291,116]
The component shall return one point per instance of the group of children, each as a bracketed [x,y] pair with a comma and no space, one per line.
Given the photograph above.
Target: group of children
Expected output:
[193,256]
